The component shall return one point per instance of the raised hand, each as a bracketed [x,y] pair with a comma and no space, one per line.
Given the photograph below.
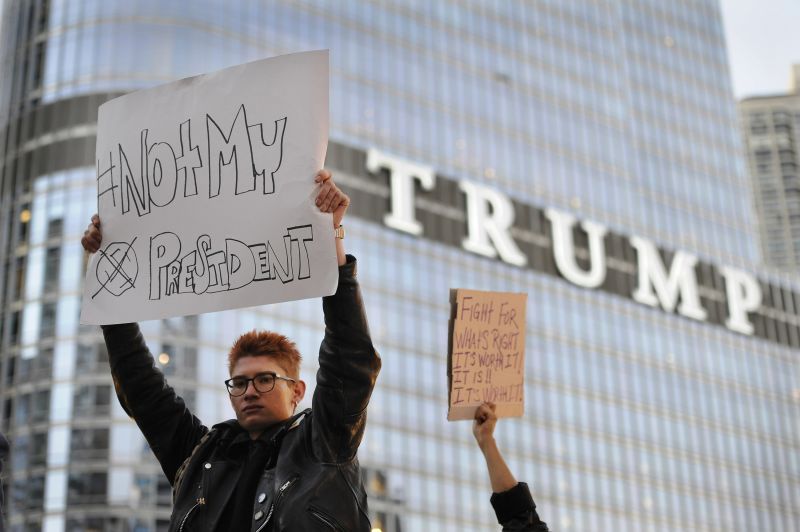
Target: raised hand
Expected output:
[93,236]
[330,198]
[483,426]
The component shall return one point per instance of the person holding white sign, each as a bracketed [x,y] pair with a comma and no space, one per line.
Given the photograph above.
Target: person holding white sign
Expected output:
[270,468]
[511,500]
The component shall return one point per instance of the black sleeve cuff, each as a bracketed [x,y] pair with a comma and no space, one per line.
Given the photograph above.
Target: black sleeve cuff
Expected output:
[348,269]
[508,504]
[120,337]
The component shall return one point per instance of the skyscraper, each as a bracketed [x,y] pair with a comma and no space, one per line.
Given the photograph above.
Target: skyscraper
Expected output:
[662,374]
[771,126]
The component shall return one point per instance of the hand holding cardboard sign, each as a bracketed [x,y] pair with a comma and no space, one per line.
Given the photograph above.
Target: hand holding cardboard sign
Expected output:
[483,426]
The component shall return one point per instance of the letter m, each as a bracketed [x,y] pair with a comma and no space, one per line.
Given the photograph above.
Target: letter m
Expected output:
[657,288]
[225,151]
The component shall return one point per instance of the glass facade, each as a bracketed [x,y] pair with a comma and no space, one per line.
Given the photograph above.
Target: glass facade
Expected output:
[620,112]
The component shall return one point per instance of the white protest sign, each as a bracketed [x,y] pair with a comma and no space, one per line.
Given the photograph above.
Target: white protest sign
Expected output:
[206,191]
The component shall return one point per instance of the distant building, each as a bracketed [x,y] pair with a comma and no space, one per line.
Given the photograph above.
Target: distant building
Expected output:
[772,138]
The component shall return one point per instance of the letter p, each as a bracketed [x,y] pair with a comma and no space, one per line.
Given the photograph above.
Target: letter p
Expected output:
[165,248]
[744,295]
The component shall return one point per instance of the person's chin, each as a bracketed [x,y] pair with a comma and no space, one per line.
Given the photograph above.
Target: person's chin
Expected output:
[254,419]
[260,417]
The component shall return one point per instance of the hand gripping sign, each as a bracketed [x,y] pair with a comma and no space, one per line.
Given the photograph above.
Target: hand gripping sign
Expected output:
[486,353]
[205,190]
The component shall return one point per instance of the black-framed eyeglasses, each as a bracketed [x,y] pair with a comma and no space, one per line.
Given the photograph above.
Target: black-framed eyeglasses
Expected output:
[263,382]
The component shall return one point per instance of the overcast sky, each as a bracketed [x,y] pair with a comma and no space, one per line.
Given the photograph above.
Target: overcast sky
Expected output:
[763,38]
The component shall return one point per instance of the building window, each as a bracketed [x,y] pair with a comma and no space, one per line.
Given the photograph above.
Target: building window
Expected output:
[89,444]
[22,411]
[7,409]
[92,400]
[189,396]
[144,485]
[385,510]
[47,325]
[88,524]
[38,453]
[40,366]
[27,494]
[783,128]
[86,488]
[19,279]
[38,65]
[40,406]
[52,265]
[19,457]
[163,492]
[55,228]
[10,370]
[14,328]
[91,358]
[190,359]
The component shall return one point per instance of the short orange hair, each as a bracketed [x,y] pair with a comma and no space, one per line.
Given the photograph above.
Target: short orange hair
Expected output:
[266,344]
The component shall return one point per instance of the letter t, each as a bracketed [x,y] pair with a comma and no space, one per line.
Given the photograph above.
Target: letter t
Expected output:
[402,174]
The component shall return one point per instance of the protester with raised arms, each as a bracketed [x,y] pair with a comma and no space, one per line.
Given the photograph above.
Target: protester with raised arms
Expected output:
[270,468]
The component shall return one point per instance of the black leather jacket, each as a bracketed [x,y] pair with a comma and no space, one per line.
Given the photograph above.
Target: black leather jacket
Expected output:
[516,510]
[311,479]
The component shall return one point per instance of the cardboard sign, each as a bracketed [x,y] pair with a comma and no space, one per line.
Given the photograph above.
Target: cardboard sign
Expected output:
[205,191]
[486,353]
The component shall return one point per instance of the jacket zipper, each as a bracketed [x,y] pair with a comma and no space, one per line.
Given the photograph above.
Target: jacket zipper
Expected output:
[200,502]
[325,519]
[278,498]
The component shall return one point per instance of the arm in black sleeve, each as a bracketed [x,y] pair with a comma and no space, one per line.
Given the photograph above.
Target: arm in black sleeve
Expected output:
[516,510]
[170,428]
[348,368]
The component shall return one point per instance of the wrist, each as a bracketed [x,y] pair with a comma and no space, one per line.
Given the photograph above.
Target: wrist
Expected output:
[487,443]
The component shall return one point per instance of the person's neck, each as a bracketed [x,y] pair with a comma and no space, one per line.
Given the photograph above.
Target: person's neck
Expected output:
[256,434]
